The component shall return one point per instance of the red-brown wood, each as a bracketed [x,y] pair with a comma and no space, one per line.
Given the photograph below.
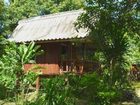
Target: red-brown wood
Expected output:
[43,69]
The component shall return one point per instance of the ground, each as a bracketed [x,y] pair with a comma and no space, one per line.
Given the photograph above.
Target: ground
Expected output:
[136,101]
[136,86]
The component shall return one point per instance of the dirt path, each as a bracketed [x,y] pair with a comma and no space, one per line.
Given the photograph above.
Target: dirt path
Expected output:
[137,96]
[138,92]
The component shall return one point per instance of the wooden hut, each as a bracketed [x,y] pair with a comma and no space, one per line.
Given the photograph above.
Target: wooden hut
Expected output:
[65,48]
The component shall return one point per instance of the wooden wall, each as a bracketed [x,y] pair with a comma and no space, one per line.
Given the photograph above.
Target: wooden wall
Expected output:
[62,56]
[50,59]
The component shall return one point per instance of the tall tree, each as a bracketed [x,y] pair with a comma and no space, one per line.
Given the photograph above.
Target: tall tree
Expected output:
[1,5]
[2,40]
[110,23]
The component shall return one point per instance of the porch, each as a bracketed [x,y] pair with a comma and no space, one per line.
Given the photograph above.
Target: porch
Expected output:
[62,57]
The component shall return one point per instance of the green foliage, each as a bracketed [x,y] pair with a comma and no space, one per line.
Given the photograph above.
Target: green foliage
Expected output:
[1,5]
[68,5]
[2,40]
[58,90]
[5,93]
[12,74]
[95,90]
[3,43]
[71,89]
[26,53]
[114,27]
[110,25]
[8,67]
[134,50]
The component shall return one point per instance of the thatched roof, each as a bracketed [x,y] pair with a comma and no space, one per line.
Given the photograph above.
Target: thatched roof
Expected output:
[59,26]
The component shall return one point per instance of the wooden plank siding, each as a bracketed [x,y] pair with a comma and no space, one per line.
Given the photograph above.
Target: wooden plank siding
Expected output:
[63,56]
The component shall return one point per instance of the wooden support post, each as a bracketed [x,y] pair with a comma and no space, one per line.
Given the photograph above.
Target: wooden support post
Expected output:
[38,83]
[70,56]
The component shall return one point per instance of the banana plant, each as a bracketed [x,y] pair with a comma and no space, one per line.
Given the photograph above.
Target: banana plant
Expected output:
[27,52]
[12,75]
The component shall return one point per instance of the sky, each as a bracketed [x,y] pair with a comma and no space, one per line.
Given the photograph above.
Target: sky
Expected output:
[6,1]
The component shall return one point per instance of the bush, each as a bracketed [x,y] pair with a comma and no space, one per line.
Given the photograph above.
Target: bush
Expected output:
[71,89]
[57,90]
[5,93]
[94,89]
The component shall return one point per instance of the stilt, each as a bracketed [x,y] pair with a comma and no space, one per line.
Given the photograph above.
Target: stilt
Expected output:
[38,83]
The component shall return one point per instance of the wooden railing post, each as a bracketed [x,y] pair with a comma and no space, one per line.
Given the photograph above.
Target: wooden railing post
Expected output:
[38,83]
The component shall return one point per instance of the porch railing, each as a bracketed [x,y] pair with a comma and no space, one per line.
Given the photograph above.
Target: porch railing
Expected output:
[76,66]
